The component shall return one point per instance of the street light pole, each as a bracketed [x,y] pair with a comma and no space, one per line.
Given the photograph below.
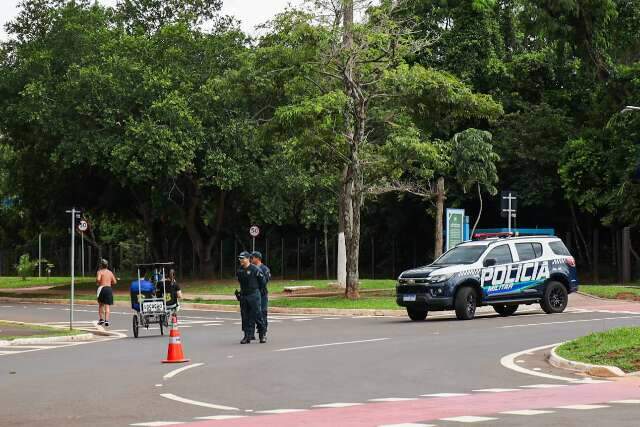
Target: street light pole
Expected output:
[73,213]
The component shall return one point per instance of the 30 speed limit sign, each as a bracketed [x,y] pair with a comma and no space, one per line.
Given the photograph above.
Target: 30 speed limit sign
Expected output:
[254,231]
[83,226]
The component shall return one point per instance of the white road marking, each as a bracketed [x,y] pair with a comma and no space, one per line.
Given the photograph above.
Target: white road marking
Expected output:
[393,399]
[157,423]
[280,411]
[301,320]
[332,344]
[221,417]
[495,390]
[631,401]
[569,321]
[527,412]
[582,407]
[543,385]
[337,405]
[179,370]
[537,369]
[330,318]
[508,362]
[445,395]
[468,419]
[520,361]
[197,403]
[407,425]
[158,385]
[213,324]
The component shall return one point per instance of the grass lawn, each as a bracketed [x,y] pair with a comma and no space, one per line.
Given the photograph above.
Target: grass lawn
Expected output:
[17,282]
[617,347]
[10,331]
[379,303]
[226,287]
[611,291]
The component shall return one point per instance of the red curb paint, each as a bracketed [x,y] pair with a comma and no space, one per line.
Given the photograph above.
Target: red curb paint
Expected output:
[374,414]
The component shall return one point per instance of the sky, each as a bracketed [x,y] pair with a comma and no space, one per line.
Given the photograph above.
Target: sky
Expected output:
[249,12]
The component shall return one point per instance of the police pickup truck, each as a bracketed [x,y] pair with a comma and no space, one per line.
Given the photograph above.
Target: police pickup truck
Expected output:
[501,272]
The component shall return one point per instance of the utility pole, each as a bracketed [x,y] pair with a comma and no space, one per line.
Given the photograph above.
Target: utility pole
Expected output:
[74,214]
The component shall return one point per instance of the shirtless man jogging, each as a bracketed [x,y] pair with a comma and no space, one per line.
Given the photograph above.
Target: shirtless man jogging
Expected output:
[105,279]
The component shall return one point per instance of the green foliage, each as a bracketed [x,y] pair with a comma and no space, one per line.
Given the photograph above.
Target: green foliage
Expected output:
[26,266]
[474,161]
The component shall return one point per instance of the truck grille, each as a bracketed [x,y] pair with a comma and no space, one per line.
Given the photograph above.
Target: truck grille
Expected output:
[411,289]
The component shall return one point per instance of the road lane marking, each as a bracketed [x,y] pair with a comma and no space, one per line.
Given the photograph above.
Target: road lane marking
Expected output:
[508,362]
[336,405]
[444,395]
[198,403]
[496,390]
[393,399]
[631,401]
[221,417]
[468,419]
[280,411]
[179,370]
[332,344]
[569,321]
[583,407]
[158,423]
[543,385]
[527,412]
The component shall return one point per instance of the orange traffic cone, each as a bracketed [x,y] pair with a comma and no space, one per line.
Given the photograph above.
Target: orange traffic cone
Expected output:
[175,354]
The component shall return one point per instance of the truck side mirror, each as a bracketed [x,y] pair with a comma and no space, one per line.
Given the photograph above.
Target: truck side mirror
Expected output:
[489,262]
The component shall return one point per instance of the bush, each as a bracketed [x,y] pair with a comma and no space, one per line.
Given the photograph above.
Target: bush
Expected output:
[26,266]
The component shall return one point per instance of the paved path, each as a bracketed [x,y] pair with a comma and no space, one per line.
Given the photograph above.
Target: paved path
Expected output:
[317,370]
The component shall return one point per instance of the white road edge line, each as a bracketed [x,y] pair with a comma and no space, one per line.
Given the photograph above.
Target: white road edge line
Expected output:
[332,344]
[508,362]
[179,370]
[197,403]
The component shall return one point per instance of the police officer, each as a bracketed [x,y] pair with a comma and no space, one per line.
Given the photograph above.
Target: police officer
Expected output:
[256,259]
[251,281]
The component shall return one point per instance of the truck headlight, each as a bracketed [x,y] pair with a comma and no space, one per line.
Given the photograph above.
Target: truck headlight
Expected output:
[440,278]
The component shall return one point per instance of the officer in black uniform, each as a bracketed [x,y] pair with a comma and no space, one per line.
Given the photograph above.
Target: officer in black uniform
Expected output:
[256,259]
[251,281]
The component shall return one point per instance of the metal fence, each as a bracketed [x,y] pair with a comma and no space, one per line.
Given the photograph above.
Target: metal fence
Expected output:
[605,254]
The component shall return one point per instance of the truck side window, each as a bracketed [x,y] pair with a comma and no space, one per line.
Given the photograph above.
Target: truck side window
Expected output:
[502,254]
[526,251]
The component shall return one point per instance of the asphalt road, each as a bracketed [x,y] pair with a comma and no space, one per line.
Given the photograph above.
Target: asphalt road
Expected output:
[349,364]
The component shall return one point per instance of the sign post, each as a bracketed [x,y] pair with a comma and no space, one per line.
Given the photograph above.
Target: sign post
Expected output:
[455,228]
[509,206]
[254,231]
[83,227]
[74,215]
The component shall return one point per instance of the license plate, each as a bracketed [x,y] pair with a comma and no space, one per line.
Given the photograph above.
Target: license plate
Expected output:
[152,307]
[408,298]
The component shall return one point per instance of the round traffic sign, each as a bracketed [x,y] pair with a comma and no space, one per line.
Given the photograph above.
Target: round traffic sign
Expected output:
[83,226]
[254,231]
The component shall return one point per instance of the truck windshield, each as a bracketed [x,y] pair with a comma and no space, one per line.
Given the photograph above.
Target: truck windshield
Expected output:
[461,255]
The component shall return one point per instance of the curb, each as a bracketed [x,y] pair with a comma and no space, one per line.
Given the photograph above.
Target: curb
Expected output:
[230,308]
[605,299]
[587,368]
[47,340]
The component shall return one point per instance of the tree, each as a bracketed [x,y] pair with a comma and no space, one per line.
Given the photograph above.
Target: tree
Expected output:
[474,163]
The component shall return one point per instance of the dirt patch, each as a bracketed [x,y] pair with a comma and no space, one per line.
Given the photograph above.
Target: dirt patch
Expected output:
[613,355]
[628,296]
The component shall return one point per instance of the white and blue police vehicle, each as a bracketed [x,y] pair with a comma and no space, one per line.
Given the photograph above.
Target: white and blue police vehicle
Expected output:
[503,272]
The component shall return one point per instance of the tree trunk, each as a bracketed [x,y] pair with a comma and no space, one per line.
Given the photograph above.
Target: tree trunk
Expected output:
[475,224]
[440,198]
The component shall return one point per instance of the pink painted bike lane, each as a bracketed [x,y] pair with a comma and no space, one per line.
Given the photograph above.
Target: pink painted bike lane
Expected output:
[430,409]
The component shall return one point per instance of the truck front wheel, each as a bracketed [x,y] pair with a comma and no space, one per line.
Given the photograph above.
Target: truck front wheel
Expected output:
[417,314]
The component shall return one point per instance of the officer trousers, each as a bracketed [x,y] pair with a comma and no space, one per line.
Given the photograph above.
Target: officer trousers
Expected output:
[252,315]
[264,308]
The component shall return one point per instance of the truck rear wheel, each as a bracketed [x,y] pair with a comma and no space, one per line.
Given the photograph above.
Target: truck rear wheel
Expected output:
[417,314]
[466,303]
[505,310]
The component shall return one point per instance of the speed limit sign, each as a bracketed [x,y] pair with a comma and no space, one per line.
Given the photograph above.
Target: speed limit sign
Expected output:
[254,231]
[83,226]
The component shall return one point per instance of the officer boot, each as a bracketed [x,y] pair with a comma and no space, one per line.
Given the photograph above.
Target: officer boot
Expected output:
[263,338]
[246,340]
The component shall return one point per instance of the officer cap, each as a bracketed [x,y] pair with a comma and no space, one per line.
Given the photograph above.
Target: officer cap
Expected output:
[256,254]
[244,254]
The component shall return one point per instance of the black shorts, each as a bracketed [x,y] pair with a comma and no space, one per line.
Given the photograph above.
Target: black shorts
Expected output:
[106,296]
